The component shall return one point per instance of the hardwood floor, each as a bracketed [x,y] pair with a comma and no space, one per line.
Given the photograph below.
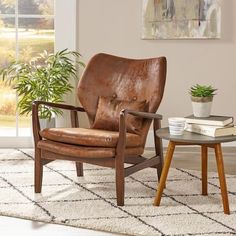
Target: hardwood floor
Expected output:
[187,158]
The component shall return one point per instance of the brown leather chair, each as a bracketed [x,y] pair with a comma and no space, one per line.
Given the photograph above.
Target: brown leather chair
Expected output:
[120,97]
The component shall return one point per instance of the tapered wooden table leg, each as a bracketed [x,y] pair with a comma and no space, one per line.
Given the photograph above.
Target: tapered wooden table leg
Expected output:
[167,162]
[221,173]
[204,169]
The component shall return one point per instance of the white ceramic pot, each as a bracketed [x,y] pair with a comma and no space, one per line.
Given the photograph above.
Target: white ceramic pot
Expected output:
[202,106]
[46,123]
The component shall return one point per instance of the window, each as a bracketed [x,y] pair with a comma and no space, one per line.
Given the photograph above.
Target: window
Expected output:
[26,29]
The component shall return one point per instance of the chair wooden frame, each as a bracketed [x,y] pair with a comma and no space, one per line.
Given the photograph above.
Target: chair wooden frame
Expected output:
[43,157]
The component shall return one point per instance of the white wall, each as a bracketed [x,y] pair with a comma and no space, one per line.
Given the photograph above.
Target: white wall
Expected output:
[114,26]
[66,37]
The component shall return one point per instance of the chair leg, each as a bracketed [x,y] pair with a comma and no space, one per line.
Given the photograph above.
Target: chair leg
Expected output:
[120,181]
[38,171]
[159,171]
[79,169]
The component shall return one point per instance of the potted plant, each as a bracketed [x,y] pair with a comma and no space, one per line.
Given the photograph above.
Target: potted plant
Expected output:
[46,78]
[202,96]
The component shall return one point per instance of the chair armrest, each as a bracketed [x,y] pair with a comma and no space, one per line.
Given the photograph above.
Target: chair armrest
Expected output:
[58,105]
[146,115]
[35,117]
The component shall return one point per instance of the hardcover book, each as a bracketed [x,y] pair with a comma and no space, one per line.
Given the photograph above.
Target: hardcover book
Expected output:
[211,130]
[211,120]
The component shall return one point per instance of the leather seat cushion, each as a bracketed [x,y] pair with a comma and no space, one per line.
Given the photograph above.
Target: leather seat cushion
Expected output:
[85,152]
[89,137]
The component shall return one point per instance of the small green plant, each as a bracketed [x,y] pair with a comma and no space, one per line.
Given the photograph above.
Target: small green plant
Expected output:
[46,77]
[202,91]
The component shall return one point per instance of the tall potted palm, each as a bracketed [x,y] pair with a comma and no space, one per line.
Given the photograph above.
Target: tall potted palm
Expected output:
[46,77]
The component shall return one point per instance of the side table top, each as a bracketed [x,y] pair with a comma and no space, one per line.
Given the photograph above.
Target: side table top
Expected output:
[190,137]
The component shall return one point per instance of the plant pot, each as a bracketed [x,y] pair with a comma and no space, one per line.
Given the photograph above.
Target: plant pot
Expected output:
[201,106]
[47,123]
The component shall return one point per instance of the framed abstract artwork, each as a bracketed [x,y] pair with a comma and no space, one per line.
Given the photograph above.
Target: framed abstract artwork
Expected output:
[181,19]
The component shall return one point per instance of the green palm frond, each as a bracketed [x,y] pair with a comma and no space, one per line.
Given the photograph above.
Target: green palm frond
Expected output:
[46,77]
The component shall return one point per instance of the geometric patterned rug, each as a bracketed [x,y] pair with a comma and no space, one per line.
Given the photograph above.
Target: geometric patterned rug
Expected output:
[89,201]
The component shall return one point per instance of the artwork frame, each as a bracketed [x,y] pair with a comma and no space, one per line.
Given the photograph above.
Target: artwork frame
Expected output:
[181,19]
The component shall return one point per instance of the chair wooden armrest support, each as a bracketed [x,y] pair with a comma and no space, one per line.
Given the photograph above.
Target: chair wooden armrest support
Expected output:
[157,141]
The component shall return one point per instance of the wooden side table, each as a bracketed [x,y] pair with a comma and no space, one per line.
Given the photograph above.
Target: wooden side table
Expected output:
[205,142]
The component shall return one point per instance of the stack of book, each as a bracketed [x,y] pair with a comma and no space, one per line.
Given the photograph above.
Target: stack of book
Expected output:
[214,126]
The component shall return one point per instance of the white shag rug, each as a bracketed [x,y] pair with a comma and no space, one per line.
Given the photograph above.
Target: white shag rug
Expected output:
[89,201]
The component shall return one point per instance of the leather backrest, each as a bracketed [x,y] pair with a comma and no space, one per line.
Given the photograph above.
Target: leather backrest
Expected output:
[126,79]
